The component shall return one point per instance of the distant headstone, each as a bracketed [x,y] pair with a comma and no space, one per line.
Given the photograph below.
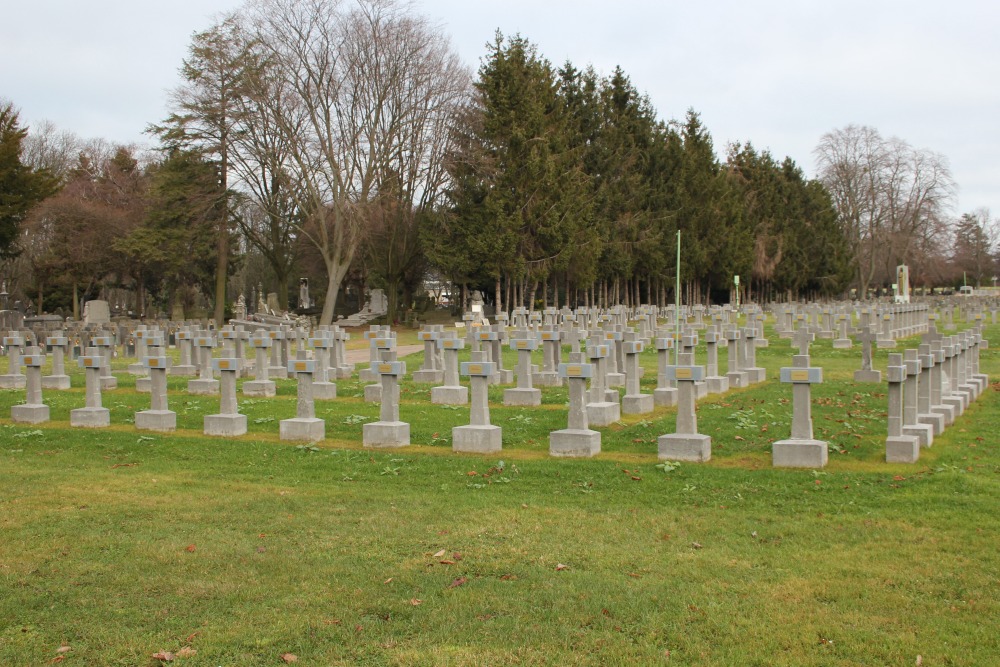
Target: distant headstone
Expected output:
[96,312]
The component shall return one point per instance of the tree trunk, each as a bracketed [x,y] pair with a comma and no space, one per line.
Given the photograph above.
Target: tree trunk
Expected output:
[76,302]
[499,298]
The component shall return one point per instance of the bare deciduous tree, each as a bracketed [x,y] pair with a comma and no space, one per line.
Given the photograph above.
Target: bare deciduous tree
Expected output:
[888,195]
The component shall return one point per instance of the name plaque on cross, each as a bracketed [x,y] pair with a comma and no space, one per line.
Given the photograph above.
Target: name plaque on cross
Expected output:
[689,373]
[802,375]
[478,368]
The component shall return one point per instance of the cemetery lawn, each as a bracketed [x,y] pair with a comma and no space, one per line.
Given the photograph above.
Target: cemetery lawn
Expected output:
[117,544]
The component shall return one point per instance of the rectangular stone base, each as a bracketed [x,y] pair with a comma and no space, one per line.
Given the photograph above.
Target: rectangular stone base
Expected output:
[794,453]
[186,370]
[386,434]
[259,388]
[717,384]
[956,402]
[522,396]
[450,395]
[428,376]
[203,387]
[902,449]
[90,417]
[546,379]
[825,335]
[684,447]
[923,432]
[13,381]
[935,419]
[738,380]
[479,439]
[755,375]
[368,375]
[665,397]
[602,414]
[108,382]
[344,372]
[637,404]
[947,411]
[324,391]
[867,376]
[373,393]
[502,376]
[225,425]
[573,442]
[614,380]
[29,414]
[55,382]
[310,429]
[885,343]
[137,369]
[144,385]
[843,344]
[760,341]
[156,420]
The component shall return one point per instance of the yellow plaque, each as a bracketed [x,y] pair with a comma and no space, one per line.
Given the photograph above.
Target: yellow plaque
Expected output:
[682,373]
[475,369]
[300,366]
[88,362]
[522,344]
[800,376]
[385,368]
[223,365]
[573,370]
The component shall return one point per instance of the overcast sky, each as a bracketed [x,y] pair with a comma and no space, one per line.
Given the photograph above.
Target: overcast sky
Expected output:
[777,74]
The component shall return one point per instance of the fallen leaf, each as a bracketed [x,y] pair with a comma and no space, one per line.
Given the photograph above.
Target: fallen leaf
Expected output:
[163,656]
[186,652]
[636,479]
[920,660]
[63,649]
[560,567]
[191,636]
[289,657]
[415,602]
[898,478]
[456,556]
[440,553]
[696,545]
[634,574]
[508,577]
[261,550]
[447,562]
[387,580]
[472,473]
[332,621]
[58,658]
[190,548]
[457,582]
[739,437]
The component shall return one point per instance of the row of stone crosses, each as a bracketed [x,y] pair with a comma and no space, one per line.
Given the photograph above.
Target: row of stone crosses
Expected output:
[927,387]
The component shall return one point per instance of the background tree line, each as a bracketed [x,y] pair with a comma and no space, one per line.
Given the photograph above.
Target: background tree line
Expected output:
[346,142]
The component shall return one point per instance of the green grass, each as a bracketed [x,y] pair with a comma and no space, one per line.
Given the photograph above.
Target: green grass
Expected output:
[120,544]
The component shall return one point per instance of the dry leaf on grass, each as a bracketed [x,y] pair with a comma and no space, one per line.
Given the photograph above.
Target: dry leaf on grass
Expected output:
[190,548]
[163,656]
[560,567]
[289,657]
[186,652]
[457,582]
[440,553]
[415,602]
[63,649]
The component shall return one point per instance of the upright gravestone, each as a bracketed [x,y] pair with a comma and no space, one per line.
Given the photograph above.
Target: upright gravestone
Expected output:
[801,450]
[451,392]
[911,400]
[261,385]
[388,431]
[429,373]
[305,425]
[925,391]
[665,394]
[205,384]
[94,415]
[186,367]
[634,402]
[385,351]
[32,411]
[866,373]
[322,388]
[577,439]
[57,344]
[737,377]
[600,411]
[899,447]
[159,417]
[105,345]
[524,393]
[717,384]
[229,422]
[479,435]
[551,347]
[685,444]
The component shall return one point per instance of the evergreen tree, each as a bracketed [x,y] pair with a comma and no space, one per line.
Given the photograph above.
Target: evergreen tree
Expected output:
[21,187]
